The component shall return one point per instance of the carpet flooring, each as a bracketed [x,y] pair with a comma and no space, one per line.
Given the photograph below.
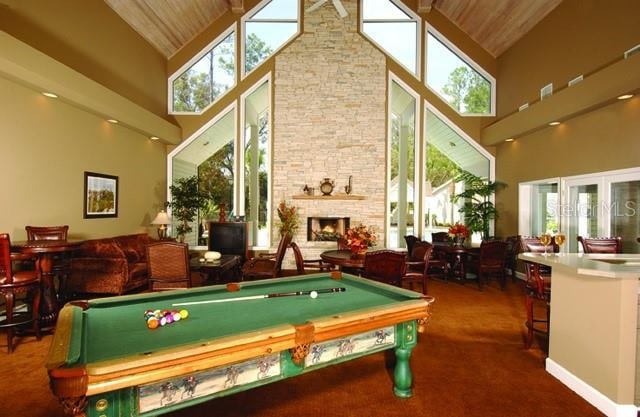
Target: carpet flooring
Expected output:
[469,363]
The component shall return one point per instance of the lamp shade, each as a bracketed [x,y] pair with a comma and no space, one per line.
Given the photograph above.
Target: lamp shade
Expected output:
[162,218]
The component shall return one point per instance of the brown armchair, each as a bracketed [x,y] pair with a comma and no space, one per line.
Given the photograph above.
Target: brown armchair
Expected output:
[267,265]
[304,266]
[601,244]
[490,261]
[385,266]
[168,265]
[13,283]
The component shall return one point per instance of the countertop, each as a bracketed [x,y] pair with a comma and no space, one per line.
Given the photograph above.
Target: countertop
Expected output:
[624,265]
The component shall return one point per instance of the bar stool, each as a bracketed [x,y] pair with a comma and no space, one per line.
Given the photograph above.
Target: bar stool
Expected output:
[14,283]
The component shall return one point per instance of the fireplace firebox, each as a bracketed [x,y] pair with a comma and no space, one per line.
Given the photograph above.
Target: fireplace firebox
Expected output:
[326,229]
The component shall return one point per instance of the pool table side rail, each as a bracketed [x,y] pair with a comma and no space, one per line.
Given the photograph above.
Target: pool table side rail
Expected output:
[139,369]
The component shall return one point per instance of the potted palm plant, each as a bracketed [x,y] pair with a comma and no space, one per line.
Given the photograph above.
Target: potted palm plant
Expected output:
[477,208]
[186,200]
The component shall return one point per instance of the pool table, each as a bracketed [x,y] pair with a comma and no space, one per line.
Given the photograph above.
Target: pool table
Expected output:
[105,362]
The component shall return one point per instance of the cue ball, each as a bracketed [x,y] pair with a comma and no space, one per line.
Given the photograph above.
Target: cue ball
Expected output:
[313,294]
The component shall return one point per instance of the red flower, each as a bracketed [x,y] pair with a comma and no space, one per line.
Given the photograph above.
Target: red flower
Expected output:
[459,229]
[360,237]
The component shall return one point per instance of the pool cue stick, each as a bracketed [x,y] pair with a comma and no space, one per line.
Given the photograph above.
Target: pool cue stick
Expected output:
[261,296]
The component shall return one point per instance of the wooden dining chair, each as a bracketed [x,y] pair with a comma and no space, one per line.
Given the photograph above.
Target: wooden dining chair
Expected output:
[13,283]
[600,244]
[61,265]
[416,268]
[305,266]
[267,265]
[385,266]
[491,261]
[168,265]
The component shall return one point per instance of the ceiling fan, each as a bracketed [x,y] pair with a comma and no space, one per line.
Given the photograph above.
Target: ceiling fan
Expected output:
[336,3]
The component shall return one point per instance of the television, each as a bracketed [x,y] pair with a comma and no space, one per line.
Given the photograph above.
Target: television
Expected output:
[229,238]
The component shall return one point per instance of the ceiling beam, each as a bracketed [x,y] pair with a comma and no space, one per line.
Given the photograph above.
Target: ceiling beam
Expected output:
[424,6]
[237,6]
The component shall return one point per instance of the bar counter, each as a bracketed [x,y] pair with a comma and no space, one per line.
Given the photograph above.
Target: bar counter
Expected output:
[593,342]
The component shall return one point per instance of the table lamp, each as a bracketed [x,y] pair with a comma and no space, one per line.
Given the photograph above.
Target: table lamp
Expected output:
[162,219]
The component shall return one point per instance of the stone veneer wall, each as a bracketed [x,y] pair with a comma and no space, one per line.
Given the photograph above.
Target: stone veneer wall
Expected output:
[330,121]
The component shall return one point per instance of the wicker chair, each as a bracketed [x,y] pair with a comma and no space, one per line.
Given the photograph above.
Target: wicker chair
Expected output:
[168,266]
[13,283]
[601,244]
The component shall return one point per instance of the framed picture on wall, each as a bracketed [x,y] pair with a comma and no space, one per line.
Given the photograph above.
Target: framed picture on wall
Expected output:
[100,195]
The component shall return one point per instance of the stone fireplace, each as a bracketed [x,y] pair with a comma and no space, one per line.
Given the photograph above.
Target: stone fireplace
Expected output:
[326,229]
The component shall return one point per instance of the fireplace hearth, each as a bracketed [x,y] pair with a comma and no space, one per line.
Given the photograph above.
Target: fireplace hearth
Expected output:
[326,229]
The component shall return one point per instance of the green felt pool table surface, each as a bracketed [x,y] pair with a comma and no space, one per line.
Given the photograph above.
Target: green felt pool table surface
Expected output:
[116,327]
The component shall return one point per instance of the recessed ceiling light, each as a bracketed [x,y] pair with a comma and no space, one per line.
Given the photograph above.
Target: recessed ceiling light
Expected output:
[154,138]
[114,121]
[625,96]
[554,123]
[50,95]
[509,140]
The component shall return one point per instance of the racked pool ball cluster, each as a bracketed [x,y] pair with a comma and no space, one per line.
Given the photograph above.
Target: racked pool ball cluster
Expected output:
[160,318]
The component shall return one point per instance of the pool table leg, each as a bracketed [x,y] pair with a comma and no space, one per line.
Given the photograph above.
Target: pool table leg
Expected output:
[407,338]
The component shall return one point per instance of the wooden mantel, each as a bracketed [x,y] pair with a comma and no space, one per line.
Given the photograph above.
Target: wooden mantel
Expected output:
[328,197]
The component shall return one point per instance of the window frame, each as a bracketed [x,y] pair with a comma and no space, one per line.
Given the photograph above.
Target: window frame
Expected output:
[197,57]
[417,170]
[429,107]
[413,18]
[243,28]
[467,60]
[268,157]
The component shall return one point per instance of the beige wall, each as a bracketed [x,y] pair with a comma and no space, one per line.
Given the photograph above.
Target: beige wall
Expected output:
[605,139]
[578,37]
[88,36]
[45,147]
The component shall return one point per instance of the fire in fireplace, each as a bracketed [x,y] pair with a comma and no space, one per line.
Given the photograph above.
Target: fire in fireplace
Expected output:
[326,228]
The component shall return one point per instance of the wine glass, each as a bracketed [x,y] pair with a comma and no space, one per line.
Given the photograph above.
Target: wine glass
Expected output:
[559,238]
[545,239]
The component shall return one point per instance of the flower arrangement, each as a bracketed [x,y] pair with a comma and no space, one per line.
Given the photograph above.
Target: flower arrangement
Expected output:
[288,215]
[458,229]
[360,237]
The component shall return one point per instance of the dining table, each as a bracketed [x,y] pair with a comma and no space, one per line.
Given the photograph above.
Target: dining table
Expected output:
[343,258]
[44,251]
[457,257]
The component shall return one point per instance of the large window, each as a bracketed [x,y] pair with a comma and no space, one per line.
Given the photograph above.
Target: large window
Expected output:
[395,28]
[403,112]
[266,28]
[457,79]
[256,105]
[210,154]
[206,77]
[591,205]
[448,152]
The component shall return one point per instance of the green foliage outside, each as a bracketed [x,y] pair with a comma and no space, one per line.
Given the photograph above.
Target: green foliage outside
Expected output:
[440,168]
[477,208]
[468,92]
[186,200]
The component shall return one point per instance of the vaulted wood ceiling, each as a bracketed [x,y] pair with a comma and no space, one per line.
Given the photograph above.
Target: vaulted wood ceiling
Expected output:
[170,24]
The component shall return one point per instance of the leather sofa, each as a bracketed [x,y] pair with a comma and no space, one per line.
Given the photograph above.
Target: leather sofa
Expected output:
[113,265]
